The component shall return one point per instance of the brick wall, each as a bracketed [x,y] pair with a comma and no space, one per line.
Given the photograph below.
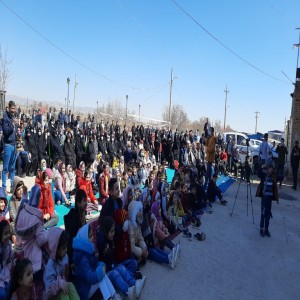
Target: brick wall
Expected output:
[295,117]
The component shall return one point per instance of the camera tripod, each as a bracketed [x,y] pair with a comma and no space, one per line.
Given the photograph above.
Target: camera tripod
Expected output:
[247,175]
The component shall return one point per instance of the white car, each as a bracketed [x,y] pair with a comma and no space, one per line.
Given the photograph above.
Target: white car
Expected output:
[241,142]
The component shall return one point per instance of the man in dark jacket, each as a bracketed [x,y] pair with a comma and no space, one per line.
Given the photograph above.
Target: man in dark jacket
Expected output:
[9,124]
[295,158]
[282,151]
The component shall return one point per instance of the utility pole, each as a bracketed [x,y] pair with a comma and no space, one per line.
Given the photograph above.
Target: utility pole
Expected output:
[298,46]
[226,92]
[75,84]
[126,110]
[170,104]
[256,117]
[97,112]
[68,98]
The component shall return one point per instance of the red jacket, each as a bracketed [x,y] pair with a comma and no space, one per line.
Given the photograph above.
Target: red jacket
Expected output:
[103,188]
[79,176]
[46,201]
[223,156]
[87,187]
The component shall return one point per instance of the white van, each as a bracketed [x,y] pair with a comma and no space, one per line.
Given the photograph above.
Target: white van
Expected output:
[241,143]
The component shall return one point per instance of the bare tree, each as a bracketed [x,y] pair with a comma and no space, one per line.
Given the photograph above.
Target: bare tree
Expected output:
[4,69]
[179,118]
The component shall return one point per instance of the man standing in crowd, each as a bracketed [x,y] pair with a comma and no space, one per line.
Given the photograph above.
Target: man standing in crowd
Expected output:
[264,149]
[9,124]
[282,151]
[295,158]
[210,154]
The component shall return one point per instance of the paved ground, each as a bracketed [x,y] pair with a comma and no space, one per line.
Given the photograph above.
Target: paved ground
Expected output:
[234,262]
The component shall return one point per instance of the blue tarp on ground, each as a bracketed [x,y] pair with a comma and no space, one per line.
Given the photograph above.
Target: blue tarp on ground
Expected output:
[224,182]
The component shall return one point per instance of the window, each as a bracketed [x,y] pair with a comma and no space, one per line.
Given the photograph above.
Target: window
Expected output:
[241,140]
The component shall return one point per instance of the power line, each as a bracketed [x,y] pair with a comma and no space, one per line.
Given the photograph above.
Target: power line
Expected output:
[290,21]
[71,57]
[223,45]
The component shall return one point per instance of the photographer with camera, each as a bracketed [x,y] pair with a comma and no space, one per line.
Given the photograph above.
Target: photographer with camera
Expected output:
[9,125]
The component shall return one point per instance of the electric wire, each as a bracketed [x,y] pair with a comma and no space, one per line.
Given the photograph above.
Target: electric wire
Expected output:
[71,57]
[224,46]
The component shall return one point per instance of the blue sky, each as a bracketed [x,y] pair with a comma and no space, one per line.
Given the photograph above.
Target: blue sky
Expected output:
[135,44]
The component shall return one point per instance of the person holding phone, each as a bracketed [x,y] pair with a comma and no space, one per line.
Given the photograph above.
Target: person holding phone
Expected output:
[9,125]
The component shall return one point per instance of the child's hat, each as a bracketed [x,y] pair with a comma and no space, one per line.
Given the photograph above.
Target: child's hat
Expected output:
[35,195]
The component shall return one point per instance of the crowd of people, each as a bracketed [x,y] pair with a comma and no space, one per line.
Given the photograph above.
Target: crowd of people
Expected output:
[122,177]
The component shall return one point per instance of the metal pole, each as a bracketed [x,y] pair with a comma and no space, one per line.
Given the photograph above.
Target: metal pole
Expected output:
[126,109]
[75,84]
[170,104]
[68,98]
[226,92]
[139,113]
[298,51]
[256,117]
[97,112]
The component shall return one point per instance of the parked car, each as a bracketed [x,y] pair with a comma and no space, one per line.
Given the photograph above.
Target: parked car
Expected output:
[241,142]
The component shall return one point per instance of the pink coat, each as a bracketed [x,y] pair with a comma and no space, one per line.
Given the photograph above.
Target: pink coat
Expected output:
[29,226]
[5,265]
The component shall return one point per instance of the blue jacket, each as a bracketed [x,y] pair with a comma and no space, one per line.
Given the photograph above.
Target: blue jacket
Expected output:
[88,271]
[61,118]
[9,129]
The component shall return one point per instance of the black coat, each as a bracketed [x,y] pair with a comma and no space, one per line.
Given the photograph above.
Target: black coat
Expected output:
[70,154]
[56,149]
[295,157]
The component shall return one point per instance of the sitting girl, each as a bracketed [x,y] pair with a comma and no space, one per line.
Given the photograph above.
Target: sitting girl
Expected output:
[137,242]
[175,222]
[86,185]
[29,226]
[4,212]
[61,195]
[22,285]
[121,276]
[5,259]
[89,274]
[161,233]
[14,204]
[56,271]
[46,203]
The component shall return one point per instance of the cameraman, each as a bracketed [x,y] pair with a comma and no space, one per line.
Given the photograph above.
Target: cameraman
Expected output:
[9,124]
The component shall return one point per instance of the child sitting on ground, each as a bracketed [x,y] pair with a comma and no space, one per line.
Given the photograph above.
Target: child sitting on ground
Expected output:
[56,271]
[213,191]
[137,243]
[29,226]
[175,222]
[90,277]
[4,212]
[120,275]
[22,285]
[75,219]
[161,233]
[18,191]
[5,259]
